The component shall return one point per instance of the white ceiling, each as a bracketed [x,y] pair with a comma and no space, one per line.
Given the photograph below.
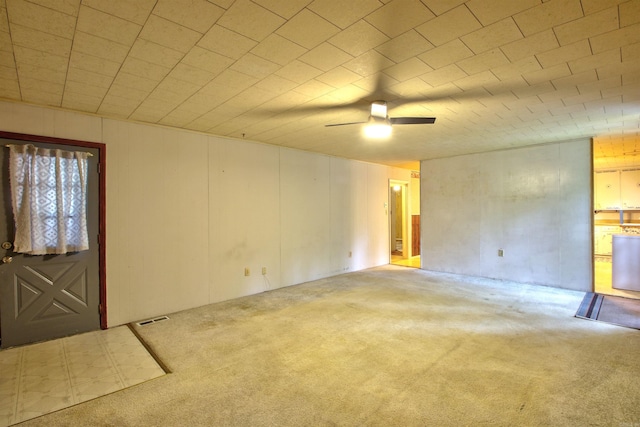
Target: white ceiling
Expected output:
[495,73]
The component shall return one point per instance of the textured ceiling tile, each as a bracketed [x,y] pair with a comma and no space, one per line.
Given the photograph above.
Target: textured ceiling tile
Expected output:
[29,71]
[155,53]
[631,52]
[47,87]
[255,66]
[174,89]
[226,42]
[614,39]
[411,87]
[169,34]
[325,57]
[441,6]
[444,75]
[338,77]
[99,47]
[235,80]
[178,118]
[7,60]
[483,62]
[589,26]
[251,97]
[276,84]
[34,39]
[278,49]
[307,29]
[150,111]
[191,74]
[207,60]
[107,26]
[565,53]
[42,95]
[93,63]
[298,72]
[517,68]
[547,74]
[250,20]
[532,45]
[554,98]
[284,8]
[286,101]
[116,106]
[314,88]
[135,11]
[449,26]
[85,88]
[534,90]
[368,63]
[489,12]
[609,57]
[4,25]
[198,15]
[41,18]
[495,35]
[399,16]
[592,6]
[609,87]
[69,7]
[81,102]
[37,58]
[629,13]
[131,87]
[548,15]
[627,70]
[372,82]
[141,68]
[358,38]
[405,46]
[575,79]
[446,54]
[345,13]
[89,78]
[408,69]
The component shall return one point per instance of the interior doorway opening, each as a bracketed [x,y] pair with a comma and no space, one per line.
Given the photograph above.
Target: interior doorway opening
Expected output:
[616,232]
[403,230]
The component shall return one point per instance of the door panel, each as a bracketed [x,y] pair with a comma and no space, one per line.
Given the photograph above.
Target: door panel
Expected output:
[49,296]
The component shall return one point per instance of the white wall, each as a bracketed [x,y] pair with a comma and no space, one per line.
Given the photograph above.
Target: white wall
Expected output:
[534,203]
[187,212]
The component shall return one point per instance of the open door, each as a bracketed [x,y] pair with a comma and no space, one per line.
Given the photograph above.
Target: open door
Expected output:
[400,238]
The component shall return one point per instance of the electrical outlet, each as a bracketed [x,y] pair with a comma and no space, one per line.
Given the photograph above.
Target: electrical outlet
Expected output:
[247,272]
[500,252]
[264,271]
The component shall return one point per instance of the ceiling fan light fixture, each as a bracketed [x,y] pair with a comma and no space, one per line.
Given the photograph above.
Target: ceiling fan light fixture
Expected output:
[377,128]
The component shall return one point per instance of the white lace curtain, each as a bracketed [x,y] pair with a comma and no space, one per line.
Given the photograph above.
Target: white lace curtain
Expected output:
[49,197]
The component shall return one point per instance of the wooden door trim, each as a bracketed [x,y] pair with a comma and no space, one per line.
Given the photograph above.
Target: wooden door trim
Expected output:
[102,209]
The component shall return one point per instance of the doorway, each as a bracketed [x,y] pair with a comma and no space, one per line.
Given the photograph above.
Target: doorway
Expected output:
[616,196]
[402,250]
[43,297]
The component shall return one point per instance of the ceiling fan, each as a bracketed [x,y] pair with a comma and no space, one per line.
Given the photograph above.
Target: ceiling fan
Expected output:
[379,123]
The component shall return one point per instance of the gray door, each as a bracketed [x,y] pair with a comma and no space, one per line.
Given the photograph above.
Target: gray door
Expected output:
[48,296]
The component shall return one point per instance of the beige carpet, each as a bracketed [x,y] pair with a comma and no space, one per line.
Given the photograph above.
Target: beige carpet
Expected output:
[390,346]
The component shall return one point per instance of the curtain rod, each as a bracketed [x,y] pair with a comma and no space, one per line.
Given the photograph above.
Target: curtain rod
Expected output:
[88,154]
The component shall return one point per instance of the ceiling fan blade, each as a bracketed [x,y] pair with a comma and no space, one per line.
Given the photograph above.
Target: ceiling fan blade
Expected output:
[345,124]
[412,120]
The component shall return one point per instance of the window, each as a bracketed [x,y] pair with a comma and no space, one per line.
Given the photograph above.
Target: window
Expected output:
[48,193]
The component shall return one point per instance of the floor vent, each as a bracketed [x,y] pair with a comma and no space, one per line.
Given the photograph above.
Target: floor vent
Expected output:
[150,321]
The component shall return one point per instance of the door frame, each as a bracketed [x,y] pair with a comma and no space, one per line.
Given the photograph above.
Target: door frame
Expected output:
[406,234]
[102,208]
